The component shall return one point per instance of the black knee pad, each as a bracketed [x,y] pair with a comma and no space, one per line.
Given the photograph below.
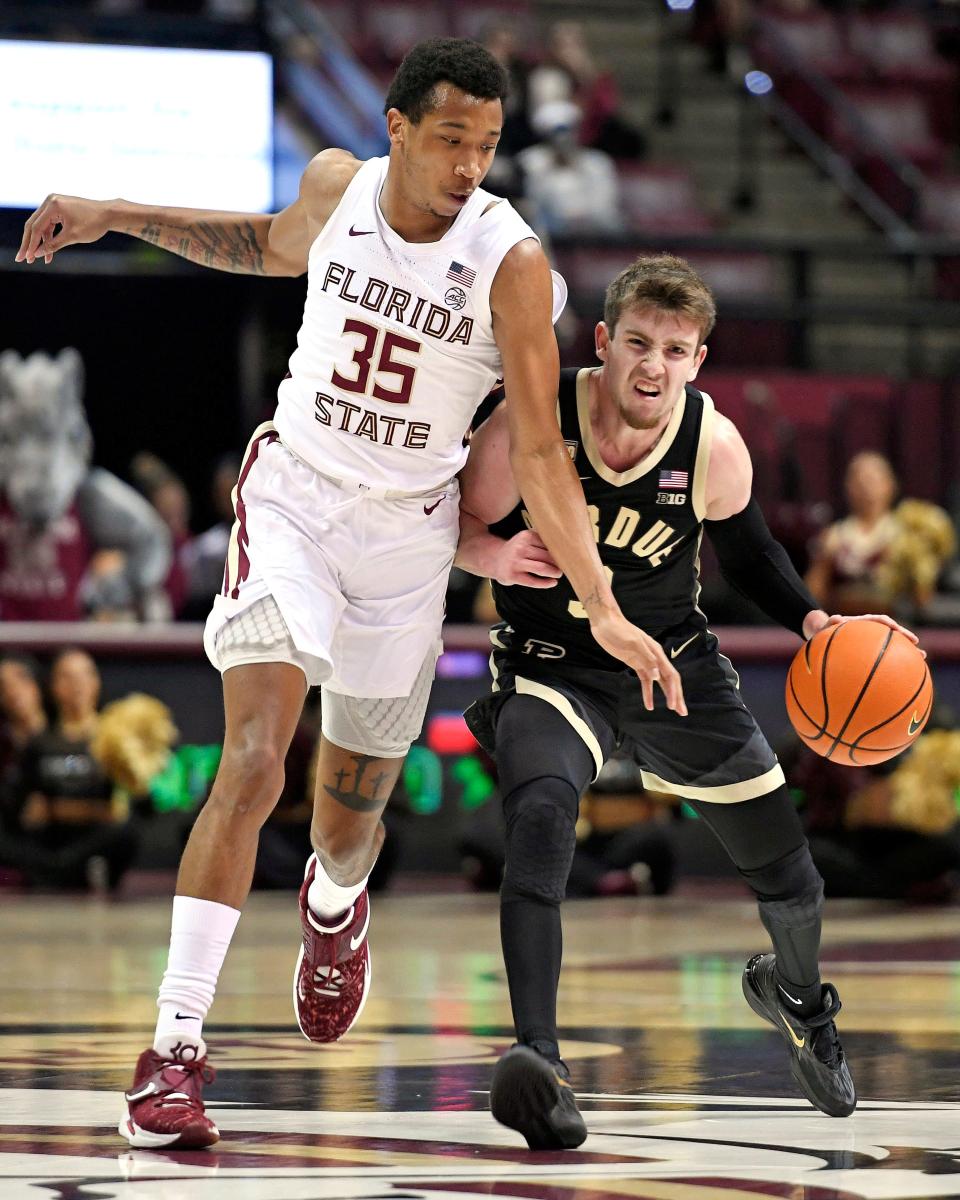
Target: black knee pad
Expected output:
[790,890]
[541,818]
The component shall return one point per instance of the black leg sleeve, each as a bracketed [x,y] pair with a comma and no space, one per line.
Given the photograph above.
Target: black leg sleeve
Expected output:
[765,840]
[543,768]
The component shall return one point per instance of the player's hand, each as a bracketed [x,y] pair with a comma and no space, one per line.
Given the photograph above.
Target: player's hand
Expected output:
[642,654]
[524,559]
[817,619]
[80,221]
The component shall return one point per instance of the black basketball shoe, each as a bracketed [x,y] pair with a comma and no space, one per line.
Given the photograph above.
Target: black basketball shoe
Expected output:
[532,1095]
[818,1064]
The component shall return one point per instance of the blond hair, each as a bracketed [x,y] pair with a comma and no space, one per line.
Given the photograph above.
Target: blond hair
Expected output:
[664,282]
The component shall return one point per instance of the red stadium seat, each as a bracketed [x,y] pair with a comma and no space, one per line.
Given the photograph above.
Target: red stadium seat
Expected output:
[394,26]
[940,204]
[742,276]
[899,117]
[919,416]
[472,20]
[768,405]
[661,199]
[818,40]
[899,48]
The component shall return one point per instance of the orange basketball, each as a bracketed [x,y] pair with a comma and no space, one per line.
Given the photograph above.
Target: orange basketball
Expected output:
[859,693]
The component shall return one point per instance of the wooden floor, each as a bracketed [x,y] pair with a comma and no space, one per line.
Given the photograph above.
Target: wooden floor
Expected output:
[686,1094]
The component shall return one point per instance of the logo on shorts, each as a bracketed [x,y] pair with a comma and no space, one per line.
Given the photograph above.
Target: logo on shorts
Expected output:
[428,509]
[543,649]
[455,298]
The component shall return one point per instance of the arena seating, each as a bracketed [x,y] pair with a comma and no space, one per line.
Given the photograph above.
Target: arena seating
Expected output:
[661,199]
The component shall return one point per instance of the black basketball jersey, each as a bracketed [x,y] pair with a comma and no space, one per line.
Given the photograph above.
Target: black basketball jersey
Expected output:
[647,521]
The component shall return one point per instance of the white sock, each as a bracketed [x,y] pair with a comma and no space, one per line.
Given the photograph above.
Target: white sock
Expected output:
[200,933]
[327,899]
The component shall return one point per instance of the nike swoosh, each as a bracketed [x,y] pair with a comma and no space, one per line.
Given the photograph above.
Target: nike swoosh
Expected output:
[798,1042]
[680,649]
[357,942]
[148,1090]
[915,724]
[360,232]
[787,994]
[432,507]
[184,1017]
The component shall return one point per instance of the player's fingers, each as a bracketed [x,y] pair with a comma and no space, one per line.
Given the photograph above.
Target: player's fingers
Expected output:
[30,227]
[38,235]
[646,689]
[892,624]
[672,686]
[26,239]
[537,566]
[535,581]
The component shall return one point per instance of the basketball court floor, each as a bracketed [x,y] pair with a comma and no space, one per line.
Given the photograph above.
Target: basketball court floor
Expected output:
[686,1094]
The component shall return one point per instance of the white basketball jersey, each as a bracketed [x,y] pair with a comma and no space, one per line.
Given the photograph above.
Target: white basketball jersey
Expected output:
[396,349]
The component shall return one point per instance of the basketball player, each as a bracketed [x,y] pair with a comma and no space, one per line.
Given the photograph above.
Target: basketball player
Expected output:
[659,466]
[422,290]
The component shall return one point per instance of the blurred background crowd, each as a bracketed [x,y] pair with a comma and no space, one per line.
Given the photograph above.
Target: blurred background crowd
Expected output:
[801,154]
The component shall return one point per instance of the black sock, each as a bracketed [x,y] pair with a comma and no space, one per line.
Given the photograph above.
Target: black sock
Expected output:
[532,946]
[805,1001]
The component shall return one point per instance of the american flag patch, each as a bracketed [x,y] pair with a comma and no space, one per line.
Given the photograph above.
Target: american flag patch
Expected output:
[461,274]
[674,479]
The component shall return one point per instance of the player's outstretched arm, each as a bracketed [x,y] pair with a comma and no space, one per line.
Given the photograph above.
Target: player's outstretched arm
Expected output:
[243,243]
[521,302]
[487,493]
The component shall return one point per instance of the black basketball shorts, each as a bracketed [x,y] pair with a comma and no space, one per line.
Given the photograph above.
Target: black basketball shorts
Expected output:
[716,754]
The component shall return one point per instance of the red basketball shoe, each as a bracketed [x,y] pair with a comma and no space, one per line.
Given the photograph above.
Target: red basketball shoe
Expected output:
[164,1109]
[332,975]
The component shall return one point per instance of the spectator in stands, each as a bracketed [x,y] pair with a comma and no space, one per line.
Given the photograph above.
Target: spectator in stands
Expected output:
[71,833]
[207,552]
[570,189]
[570,72]
[880,557]
[168,494]
[22,717]
[888,832]
[500,38]
[843,575]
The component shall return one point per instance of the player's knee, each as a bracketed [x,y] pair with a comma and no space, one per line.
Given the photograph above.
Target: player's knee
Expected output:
[790,889]
[250,778]
[379,727]
[541,819]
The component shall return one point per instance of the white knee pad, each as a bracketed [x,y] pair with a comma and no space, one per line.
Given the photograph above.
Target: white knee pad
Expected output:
[379,727]
[259,634]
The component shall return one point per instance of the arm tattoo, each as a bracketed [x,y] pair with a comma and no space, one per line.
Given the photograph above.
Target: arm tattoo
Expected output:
[227,244]
[354,798]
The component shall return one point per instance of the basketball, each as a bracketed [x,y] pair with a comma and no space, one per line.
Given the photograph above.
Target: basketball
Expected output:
[859,693]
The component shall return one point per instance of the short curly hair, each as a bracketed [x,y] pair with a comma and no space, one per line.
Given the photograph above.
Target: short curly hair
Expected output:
[464,63]
[665,282]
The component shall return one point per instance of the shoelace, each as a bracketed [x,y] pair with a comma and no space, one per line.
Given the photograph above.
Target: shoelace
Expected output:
[191,1070]
[331,986]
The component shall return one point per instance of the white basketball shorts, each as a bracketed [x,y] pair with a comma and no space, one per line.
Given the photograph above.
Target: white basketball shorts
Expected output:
[359,578]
